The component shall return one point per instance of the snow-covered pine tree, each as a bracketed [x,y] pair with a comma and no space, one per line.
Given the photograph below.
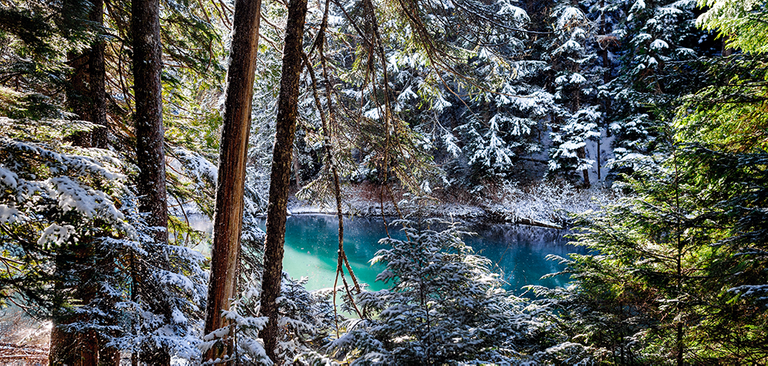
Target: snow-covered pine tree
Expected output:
[52,226]
[447,75]
[486,111]
[160,293]
[574,62]
[504,126]
[661,55]
[66,212]
[445,305]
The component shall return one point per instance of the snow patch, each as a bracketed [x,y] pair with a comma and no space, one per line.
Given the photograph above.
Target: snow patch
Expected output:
[56,235]
[373,113]
[658,45]
[10,215]
[8,178]
[72,195]
[576,78]
[517,13]
[571,16]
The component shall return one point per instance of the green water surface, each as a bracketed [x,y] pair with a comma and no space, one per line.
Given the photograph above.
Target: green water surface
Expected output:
[519,252]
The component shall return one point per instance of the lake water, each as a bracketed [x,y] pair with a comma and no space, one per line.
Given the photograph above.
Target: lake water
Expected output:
[518,251]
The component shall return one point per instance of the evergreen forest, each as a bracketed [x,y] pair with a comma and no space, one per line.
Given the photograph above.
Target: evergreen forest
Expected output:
[640,126]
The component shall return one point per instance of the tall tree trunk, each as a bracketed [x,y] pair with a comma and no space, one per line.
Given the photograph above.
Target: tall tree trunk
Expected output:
[287,110]
[228,216]
[86,95]
[98,82]
[99,136]
[150,156]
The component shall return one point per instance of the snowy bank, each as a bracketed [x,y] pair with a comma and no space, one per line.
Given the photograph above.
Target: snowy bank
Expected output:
[548,205]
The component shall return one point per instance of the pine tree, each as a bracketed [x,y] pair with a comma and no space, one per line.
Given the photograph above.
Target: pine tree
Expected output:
[662,55]
[573,61]
[444,305]
[675,265]
[728,112]
[59,225]
[672,267]
[93,276]
[78,246]
[150,147]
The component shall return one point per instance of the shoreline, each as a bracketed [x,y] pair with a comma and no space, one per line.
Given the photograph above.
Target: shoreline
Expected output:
[484,217]
[550,205]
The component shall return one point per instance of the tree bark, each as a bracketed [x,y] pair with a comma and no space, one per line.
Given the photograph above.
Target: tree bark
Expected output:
[228,216]
[281,169]
[98,80]
[150,156]
[86,95]
[71,347]
[581,153]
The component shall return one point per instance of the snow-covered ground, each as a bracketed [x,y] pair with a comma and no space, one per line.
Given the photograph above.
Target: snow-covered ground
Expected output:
[18,328]
[23,340]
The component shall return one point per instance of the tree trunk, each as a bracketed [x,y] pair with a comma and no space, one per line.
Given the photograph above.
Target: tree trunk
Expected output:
[86,95]
[228,216]
[297,169]
[71,347]
[98,81]
[281,169]
[581,153]
[606,79]
[725,50]
[108,356]
[150,156]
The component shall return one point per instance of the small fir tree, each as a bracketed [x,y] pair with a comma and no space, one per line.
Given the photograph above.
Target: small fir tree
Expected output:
[444,305]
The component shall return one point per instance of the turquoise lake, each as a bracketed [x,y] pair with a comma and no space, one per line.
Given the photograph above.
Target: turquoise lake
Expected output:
[518,252]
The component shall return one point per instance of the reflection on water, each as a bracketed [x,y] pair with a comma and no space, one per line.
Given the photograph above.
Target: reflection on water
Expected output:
[519,252]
